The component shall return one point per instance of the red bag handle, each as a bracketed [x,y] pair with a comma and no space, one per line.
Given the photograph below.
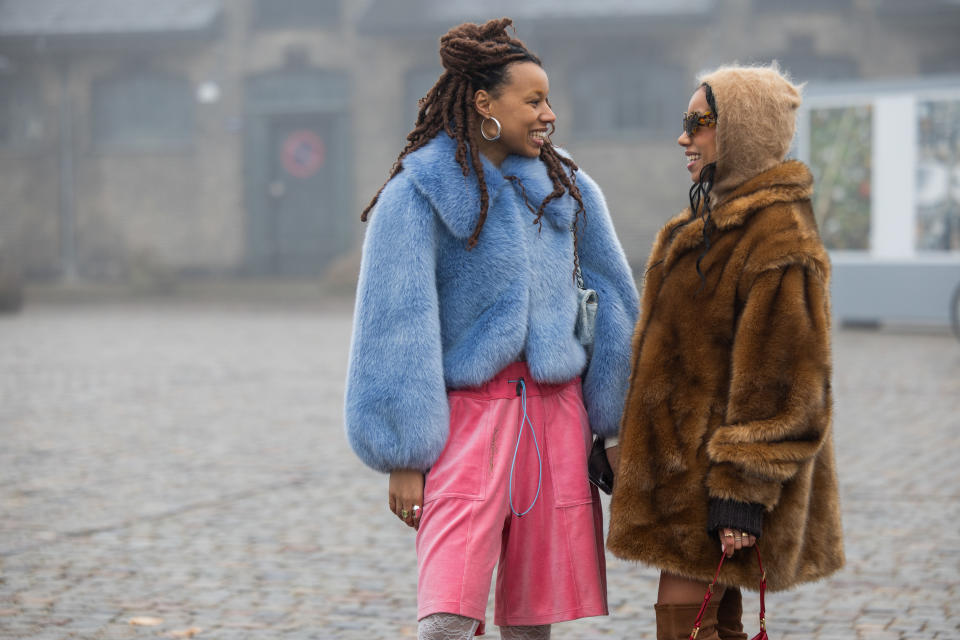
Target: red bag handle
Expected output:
[763,605]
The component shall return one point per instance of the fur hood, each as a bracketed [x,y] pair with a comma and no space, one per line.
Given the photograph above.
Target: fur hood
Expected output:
[432,315]
[756,119]
[730,397]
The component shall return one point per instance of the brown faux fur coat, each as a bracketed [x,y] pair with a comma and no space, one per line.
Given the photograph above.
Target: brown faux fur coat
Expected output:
[730,393]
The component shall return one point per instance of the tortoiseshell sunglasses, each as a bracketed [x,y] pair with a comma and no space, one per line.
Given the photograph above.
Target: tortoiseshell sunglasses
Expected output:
[694,120]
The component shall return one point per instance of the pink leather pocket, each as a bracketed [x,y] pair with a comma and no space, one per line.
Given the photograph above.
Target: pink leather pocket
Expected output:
[568,443]
[460,471]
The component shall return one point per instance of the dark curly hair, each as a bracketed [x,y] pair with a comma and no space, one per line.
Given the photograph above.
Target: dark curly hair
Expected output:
[699,195]
[478,57]
[700,205]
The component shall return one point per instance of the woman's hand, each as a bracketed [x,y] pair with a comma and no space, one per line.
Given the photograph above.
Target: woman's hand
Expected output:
[733,540]
[613,457]
[406,495]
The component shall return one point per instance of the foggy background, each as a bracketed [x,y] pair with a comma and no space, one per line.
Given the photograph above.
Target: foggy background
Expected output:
[147,145]
[180,190]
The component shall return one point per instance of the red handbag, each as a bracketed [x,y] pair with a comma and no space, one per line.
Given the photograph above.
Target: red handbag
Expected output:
[763,606]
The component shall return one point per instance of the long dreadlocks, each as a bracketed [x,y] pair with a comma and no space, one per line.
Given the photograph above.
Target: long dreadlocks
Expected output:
[477,57]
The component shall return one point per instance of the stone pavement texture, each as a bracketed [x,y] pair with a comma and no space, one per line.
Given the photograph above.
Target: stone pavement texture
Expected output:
[186,462]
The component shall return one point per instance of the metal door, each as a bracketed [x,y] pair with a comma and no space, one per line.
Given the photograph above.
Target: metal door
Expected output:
[299,195]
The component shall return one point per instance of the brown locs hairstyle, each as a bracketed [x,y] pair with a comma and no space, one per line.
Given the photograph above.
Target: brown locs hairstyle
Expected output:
[477,57]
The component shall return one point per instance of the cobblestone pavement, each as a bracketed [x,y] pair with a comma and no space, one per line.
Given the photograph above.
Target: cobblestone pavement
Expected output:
[186,463]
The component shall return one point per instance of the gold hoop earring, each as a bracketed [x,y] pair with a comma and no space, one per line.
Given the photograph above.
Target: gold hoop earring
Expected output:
[484,133]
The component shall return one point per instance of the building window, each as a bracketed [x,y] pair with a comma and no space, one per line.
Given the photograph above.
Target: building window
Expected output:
[803,62]
[143,109]
[283,14]
[21,120]
[613,97]
[840,155]
[938,175]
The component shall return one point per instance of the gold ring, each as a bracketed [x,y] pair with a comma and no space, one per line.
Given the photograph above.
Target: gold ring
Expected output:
[404,514]
[728,535]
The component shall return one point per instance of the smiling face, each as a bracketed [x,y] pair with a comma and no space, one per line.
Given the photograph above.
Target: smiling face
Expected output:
[520,105]
[700,148]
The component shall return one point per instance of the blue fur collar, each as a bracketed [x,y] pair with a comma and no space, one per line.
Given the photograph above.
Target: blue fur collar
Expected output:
[439,177]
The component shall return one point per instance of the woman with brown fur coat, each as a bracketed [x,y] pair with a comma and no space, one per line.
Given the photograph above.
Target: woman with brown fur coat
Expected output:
[726,435]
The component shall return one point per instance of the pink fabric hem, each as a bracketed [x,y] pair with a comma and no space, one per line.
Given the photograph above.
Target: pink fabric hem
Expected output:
[553,618]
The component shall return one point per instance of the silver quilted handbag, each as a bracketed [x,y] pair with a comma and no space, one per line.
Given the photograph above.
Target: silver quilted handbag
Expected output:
[586,324]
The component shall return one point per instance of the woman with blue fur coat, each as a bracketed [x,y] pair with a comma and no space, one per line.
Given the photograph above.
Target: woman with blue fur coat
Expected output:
[464,380]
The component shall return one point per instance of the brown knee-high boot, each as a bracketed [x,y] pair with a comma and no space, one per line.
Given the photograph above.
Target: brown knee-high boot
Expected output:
[675,621]
[730,614]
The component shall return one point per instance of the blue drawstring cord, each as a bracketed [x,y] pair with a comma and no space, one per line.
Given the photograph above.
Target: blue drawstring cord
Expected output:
[522,392]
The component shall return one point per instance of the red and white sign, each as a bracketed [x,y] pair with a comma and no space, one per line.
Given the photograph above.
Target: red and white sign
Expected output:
[303,153]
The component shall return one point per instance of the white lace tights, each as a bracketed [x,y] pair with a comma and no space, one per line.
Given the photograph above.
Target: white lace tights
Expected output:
[447,626]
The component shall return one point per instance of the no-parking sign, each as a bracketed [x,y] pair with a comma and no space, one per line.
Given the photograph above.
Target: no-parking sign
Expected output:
[303,153]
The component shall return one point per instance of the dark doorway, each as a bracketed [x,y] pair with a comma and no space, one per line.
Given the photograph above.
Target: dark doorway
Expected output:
[299,195]
[297,180]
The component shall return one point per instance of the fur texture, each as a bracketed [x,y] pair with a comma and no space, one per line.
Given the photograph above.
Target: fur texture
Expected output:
[431,315]
[755,121]
[730,393]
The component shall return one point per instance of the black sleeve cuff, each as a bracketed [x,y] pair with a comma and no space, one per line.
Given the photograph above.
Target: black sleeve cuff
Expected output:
[745,516]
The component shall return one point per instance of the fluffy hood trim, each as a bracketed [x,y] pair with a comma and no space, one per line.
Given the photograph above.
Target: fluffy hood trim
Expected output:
[756,121]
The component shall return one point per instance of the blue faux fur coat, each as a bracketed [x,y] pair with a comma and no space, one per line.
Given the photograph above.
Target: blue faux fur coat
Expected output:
[431,315]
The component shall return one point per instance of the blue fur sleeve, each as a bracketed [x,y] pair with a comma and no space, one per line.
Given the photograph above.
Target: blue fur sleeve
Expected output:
[396,403]
[605,269]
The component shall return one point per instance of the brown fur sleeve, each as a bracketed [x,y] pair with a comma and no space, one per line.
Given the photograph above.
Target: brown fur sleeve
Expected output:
[778,408]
